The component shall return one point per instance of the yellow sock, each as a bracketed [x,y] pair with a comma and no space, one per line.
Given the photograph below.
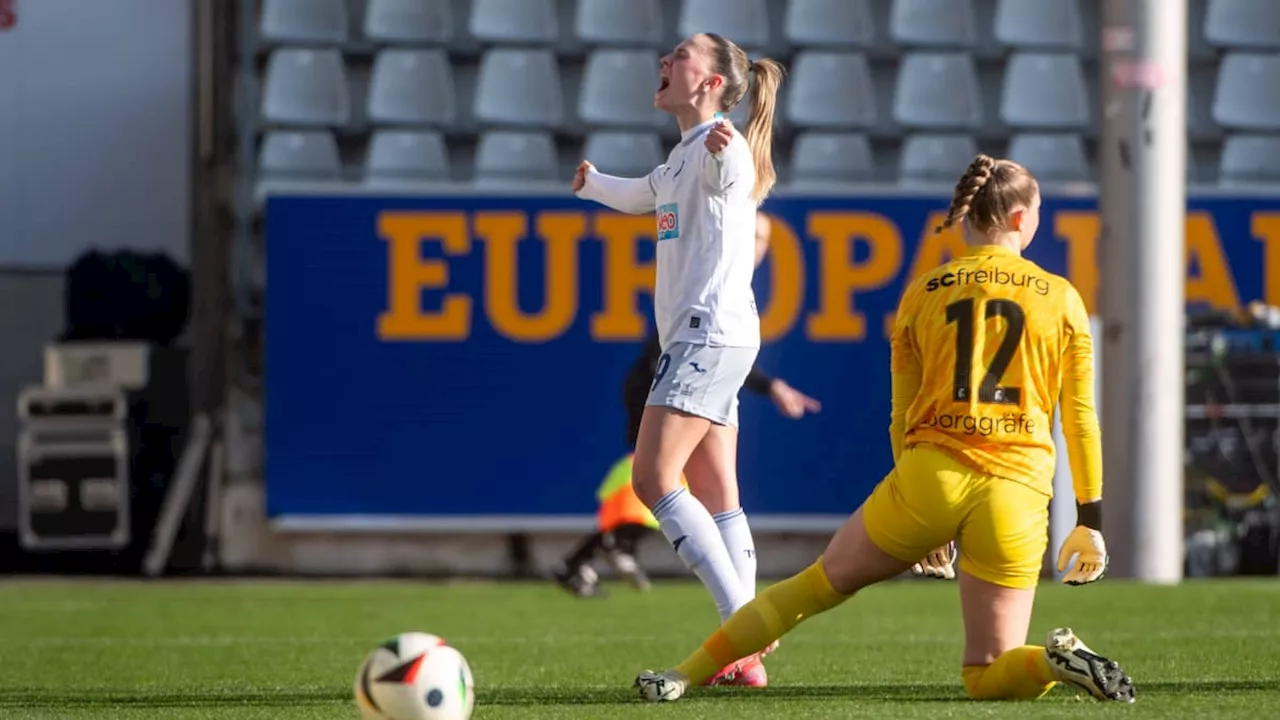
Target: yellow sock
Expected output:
[770,616]
[1019,674]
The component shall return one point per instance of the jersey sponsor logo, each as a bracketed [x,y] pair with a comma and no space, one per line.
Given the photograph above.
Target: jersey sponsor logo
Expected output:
[669,221]
[994,277]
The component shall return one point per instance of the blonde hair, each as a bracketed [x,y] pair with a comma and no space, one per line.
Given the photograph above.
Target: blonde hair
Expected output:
[988,192]
[731,61]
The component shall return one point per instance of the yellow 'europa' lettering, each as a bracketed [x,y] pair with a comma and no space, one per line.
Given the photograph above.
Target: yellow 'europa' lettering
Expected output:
[786,282]
[840,278]
[408,275]
[560,233]
[624,276]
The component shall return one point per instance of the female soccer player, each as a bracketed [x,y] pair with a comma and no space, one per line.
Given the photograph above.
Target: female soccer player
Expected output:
[705,197]
[983,349]
[622,520]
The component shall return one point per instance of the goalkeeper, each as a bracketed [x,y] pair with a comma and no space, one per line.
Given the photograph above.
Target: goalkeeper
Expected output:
[983,349]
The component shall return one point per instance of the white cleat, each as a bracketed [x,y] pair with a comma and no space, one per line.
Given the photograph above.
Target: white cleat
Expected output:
[660,687]
[1074,663]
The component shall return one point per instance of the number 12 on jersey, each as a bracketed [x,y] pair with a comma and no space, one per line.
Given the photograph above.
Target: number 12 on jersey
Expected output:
[990,391]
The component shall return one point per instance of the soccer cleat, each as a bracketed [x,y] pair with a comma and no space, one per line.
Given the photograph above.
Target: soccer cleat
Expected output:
[582,582]
[629,569]
[746,672]
[1074,663]
[751,673]
[660,687]
[769,649]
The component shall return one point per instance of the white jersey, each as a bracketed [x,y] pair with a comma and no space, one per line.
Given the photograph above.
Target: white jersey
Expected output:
[706,221]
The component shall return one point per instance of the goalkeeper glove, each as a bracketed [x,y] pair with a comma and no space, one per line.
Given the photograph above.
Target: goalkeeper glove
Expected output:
[1090,552]
[938,564]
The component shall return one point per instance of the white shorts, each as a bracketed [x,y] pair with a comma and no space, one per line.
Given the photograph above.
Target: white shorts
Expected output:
[702,380]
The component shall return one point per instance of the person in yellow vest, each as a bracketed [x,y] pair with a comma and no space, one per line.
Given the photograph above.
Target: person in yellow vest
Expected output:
[622,520]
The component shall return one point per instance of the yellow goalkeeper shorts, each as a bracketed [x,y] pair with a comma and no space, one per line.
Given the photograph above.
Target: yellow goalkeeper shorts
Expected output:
[929,498]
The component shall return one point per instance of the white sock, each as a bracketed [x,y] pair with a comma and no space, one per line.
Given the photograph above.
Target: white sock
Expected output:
[736,535]
[696,539]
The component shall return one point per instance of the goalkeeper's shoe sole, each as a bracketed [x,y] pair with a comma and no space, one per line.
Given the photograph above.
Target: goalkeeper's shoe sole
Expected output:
[1074,663]
[660,686]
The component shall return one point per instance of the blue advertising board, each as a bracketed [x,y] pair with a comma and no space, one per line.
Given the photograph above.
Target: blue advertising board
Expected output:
[458,359]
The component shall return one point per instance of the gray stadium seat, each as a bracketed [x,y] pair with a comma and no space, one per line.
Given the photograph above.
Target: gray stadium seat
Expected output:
[830,23]
[1250,159]
[310,155]
[412,87]
[618,87]
[818,157]
[1251,24]
[622,153]
[619,22]
[930,158]
[938,90]
[398,156]
[306,87]
[1044,90]
[409,21]
[303,21]
[746,22]
[1054,157]
[933,23]
[1248,91]
[505,155]
[817,99]
[519,87]
[514,21]
[1039,24]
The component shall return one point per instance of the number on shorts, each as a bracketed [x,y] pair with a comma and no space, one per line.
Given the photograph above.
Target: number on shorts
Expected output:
[664,362]
[990,390]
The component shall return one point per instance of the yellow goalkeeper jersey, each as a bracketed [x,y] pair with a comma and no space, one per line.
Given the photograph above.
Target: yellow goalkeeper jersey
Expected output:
[983,349]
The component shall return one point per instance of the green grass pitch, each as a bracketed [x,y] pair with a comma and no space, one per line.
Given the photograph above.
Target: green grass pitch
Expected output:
[289,650]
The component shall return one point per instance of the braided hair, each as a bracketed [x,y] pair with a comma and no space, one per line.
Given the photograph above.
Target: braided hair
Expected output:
[988,192]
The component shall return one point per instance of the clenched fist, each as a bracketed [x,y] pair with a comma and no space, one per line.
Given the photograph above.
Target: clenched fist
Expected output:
[719,135]
[580,177]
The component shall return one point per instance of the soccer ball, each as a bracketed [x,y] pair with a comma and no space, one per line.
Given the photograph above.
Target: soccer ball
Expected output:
[415,676]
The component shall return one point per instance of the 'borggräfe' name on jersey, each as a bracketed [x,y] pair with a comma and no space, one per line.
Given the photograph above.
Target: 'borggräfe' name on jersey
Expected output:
[964,276]
[986,426]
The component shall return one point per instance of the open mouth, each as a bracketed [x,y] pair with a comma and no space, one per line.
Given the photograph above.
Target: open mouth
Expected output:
[663,82]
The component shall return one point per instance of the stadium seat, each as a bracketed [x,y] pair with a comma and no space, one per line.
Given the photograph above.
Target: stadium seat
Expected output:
[299,155]
[815,99]
[746,22]
[306,87]
[623,153]
[303,21]
[619,22]
[519,87]
[933,23]
[514,21]
[819,157]
[409,21]
[1044,90]
[935,158]
[1250,160]
[412,87]
[1053,157]
[1248,93]
[1039,24]
[938,90]
[829,23]
[618,87]
[505,155]
[399,156]
[1241,24]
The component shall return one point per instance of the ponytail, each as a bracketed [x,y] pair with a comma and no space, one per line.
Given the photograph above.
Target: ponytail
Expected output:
[759,131]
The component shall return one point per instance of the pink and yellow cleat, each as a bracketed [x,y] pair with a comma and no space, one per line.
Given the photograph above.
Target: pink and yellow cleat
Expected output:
[747,672]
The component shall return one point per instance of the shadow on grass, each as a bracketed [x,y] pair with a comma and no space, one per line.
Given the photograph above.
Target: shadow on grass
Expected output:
[544,696]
